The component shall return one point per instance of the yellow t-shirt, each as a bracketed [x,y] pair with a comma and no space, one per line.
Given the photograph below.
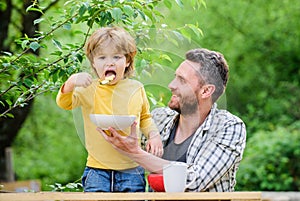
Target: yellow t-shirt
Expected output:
[127,97]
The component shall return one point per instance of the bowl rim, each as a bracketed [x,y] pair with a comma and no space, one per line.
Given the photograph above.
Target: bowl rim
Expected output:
[117,121]
[113,115]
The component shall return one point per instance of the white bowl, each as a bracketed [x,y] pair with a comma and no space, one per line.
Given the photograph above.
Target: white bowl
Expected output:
[118,122]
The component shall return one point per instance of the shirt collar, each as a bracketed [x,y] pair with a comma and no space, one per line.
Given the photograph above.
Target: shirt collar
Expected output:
[208,120]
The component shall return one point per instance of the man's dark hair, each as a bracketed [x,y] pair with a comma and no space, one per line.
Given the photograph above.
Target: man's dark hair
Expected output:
[213,69]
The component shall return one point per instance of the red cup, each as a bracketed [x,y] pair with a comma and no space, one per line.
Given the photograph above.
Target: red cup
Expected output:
[156,182]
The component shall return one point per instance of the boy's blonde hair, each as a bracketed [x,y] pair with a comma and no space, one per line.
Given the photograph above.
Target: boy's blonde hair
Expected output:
[122,41]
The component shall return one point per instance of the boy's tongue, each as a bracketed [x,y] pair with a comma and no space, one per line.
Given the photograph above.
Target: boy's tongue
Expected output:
[110,73]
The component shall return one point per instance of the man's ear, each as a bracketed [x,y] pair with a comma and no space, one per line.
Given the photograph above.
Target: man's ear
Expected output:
[207,90]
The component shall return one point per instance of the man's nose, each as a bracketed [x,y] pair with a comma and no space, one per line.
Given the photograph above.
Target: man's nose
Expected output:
[171,85]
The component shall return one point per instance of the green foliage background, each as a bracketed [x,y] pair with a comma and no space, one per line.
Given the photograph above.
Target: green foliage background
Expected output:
[48,147]
[260,40]
[271,160]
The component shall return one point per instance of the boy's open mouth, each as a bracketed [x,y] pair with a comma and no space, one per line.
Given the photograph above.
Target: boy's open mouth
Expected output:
[109,76]
[109,73]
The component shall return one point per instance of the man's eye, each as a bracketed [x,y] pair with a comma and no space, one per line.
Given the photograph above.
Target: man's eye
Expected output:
[181,79]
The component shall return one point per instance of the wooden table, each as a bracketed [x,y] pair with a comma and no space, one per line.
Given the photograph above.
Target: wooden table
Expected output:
[81,196]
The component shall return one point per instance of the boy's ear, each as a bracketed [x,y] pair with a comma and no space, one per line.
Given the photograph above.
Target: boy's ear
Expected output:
[93,67]
[207,90]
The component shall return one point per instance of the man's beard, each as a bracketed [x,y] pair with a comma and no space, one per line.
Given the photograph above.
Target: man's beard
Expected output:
[187,105]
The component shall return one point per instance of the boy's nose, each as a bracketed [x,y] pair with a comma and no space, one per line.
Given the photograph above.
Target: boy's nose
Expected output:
[110,62]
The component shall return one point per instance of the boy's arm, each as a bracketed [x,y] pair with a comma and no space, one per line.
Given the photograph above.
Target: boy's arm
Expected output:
[147,125]
[77,80]
[154,144]
[65,99]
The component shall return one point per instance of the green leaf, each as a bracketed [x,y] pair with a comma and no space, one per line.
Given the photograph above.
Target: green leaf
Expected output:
[37,21]
[70,185]
[186,34]
[57,44]
[67,26]
[168,4]
[57,53]
[149,15]
[146,73]
[8,102]
[7,53]
[128,10]
[165,57]
[24,43]
[153,101]
[82,9]
[10,115]
[62,73]
[116,14]
[34,46]
[28,82]
[66,59]
[138,6]
[79,57]
[3,6]
[195,29]
[142,14]
[179,2]
[178,35]
[31,8]
[175,42]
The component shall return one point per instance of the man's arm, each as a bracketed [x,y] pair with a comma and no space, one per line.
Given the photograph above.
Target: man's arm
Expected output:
[217,156]
[128,145]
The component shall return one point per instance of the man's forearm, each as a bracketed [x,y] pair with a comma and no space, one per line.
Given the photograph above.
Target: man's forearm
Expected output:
[148,161]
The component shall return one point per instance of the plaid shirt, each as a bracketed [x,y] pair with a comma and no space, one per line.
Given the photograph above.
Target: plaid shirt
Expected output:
[215,150]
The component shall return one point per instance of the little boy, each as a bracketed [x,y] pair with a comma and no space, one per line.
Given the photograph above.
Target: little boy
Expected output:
[111,52]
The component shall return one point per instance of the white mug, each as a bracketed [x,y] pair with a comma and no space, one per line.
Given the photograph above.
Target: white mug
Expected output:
[175,176]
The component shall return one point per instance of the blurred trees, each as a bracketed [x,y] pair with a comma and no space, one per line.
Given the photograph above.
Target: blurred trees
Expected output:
[48,147]
[271,162]
[15,23]
[261,41]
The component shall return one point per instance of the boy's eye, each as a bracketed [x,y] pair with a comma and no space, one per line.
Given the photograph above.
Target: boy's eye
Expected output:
[117,57]
[101,57]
